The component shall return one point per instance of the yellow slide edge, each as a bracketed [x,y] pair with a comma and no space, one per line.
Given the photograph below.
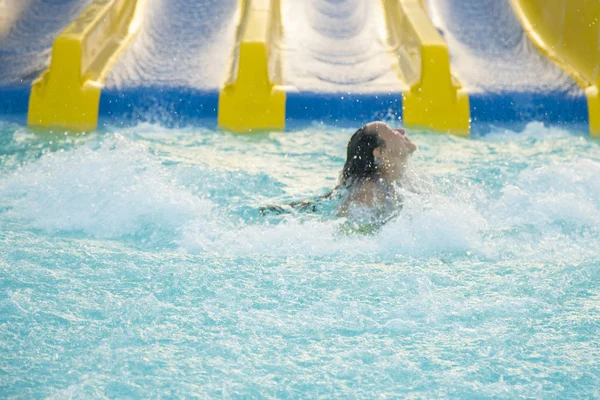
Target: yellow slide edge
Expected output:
[435,99]
[568,33]
[67,94]
[252,97]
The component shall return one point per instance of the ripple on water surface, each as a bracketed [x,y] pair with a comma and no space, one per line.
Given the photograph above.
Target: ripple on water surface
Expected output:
[134,263]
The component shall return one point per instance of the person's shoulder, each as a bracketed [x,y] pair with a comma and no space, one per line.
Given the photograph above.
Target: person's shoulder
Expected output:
[365,191]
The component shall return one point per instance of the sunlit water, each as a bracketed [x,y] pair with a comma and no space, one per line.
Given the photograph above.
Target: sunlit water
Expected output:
[134,264]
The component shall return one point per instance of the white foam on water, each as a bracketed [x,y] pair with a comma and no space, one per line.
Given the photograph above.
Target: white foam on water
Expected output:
[439,224]
[490,270]
[533,130]
[562,192]
[114,190]
[293,237]
[548,208]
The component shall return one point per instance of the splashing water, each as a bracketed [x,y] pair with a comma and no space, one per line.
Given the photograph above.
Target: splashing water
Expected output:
[135,263]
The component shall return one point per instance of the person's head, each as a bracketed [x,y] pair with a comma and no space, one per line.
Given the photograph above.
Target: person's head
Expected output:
[377,151]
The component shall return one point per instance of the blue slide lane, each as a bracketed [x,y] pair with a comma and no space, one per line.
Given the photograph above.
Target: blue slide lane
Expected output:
[341,109]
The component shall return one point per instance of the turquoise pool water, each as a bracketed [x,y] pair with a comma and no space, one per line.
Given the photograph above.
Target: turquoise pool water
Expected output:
[134,264]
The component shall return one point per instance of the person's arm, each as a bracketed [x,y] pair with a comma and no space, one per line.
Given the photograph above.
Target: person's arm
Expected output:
[309,205]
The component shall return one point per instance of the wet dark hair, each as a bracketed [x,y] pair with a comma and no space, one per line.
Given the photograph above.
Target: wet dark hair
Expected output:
[360,165]
[360,161]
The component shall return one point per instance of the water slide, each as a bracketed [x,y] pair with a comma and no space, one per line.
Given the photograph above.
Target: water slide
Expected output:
[337,46]
[450,65]
[27,30]
[507,77]
[176,62]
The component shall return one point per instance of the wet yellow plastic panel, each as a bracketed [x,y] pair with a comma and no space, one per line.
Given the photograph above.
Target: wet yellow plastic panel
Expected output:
[67,94]
[435,99]
[568,32]
[251,98]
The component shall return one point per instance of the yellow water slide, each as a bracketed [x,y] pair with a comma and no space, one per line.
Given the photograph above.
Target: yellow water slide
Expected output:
[252,97]
[435,98]
[568,32]
[67,94]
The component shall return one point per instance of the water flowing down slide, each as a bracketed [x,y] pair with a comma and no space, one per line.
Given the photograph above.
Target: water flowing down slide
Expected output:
[507,77]
[337,60]
[179,55]
[328,50]
[338,46]
[27,30]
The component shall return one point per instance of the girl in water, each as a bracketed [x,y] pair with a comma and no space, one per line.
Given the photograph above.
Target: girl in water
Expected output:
[376,161]
[367,193]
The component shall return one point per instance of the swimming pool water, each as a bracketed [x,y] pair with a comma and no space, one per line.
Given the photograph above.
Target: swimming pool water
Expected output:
[134,264]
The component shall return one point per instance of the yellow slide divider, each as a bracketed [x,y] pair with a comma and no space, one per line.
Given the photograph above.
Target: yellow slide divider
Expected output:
[435,99]
[252,98]
[568,32]
[67,94]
